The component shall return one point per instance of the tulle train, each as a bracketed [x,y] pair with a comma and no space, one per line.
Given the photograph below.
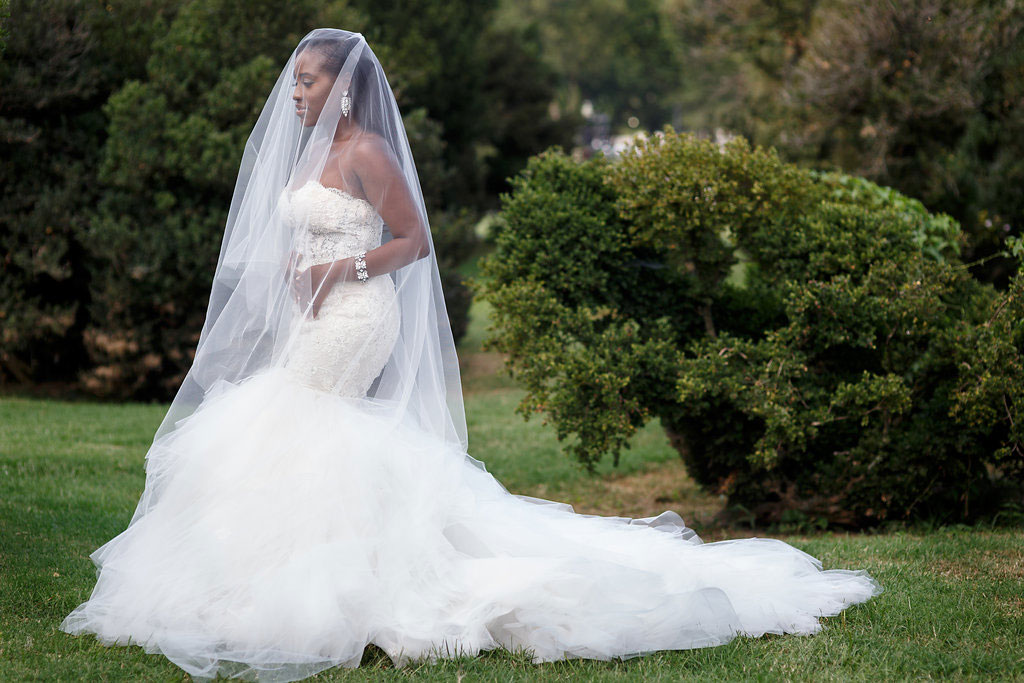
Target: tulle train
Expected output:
[294,527]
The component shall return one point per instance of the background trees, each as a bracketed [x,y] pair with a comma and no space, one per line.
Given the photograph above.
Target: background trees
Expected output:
[924,96]
[123,125]
[618,54]
[62,61]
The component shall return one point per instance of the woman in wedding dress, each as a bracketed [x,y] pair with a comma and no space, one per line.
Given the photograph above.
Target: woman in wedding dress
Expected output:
[310,491]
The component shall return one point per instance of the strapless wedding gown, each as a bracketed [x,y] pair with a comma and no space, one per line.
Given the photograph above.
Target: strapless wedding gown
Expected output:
[298,528]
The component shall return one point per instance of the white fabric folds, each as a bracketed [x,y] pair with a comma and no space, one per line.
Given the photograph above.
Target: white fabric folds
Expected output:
[280,553]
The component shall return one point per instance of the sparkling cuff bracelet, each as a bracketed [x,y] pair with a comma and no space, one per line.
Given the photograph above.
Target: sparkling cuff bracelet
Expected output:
[361,267]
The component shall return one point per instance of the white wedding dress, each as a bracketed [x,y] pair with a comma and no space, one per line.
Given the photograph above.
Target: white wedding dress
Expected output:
[297,526]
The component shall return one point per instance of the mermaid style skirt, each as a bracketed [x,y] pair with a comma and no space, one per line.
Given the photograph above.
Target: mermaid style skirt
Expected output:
[295,526]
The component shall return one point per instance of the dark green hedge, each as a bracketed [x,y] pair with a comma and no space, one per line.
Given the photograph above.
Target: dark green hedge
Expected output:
[117,165]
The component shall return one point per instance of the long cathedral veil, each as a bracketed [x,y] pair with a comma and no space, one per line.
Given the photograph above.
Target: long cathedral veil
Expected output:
[256,306]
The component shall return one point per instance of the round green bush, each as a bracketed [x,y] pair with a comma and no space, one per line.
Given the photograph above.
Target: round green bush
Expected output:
[805,338]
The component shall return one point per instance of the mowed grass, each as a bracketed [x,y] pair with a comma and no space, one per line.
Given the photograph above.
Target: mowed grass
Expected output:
[72,472]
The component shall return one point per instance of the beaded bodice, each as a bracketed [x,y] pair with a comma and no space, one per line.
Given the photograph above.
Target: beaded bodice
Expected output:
[336,223]
[343,349]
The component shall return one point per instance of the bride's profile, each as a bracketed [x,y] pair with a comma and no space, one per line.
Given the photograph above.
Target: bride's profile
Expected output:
[310,491]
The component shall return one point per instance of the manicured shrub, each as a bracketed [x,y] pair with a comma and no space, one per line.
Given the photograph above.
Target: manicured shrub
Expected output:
[990,381]
[803,337]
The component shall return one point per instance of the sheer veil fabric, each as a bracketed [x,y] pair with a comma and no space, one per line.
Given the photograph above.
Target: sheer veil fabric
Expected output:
[252,319]
[310,489]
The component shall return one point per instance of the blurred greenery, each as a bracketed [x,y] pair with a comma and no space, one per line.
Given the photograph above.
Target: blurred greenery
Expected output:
[921,95]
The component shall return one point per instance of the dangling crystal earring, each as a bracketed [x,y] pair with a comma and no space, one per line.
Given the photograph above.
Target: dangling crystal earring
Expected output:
[346,103]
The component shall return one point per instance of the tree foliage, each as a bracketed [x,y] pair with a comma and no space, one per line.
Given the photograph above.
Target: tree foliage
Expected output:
[63,59]
[123,124]
[923,96]
[616,53]
[168,164]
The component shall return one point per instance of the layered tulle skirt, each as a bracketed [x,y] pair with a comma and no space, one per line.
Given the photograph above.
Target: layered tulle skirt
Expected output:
[293,527]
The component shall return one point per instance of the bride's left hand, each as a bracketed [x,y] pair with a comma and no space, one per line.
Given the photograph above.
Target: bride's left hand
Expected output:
[305,282]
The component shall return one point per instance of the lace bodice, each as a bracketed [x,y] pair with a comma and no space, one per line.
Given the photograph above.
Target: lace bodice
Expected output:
[336,223]
[345,347]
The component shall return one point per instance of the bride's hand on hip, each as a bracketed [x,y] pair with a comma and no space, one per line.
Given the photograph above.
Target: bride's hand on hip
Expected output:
[315,281]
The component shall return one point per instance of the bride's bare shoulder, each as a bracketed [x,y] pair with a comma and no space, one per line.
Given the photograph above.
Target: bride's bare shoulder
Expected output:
[372,146]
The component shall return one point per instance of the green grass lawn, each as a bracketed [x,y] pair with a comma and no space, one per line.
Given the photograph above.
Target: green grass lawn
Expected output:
[71,474]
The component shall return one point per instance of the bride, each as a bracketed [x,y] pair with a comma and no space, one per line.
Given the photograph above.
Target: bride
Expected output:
[310,492]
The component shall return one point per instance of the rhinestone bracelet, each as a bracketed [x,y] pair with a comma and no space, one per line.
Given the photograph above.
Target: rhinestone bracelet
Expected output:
[361,267]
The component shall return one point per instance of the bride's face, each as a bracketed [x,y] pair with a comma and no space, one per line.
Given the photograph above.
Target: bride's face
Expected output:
[312,86]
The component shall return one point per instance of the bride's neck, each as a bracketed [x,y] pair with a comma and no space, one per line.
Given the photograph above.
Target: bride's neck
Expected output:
[347,131]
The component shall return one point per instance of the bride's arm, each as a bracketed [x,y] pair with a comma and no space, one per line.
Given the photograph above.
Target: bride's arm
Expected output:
[386,188]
